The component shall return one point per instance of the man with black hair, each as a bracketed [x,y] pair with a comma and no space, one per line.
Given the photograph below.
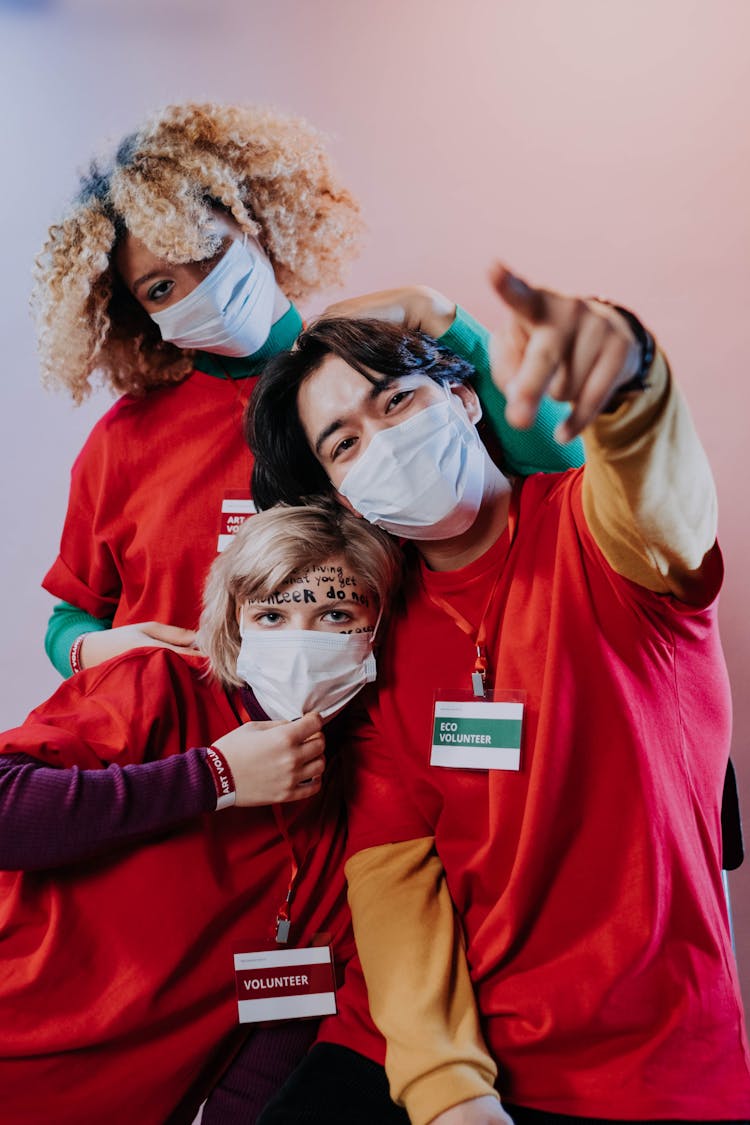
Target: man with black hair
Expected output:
[550,736]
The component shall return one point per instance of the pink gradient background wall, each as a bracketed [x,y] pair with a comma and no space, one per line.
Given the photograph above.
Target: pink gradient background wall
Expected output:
[599,147]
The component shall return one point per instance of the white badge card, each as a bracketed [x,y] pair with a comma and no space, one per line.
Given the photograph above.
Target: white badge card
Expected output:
[284,984]
[235,508]
[478,734]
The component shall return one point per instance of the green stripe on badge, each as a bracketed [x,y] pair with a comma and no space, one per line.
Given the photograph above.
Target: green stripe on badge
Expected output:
[505,733]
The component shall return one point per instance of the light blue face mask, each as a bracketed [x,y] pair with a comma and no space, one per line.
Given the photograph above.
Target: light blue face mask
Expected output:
[422,479]
[231,311]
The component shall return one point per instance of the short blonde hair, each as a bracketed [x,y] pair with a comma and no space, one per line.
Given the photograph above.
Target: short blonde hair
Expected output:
[269,171]
[273,546]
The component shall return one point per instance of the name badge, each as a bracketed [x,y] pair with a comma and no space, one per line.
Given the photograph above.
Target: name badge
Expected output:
[283,984]
[474,734]
[235,508]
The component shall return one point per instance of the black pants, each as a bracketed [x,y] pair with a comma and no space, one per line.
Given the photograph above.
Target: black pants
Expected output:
[336,1086]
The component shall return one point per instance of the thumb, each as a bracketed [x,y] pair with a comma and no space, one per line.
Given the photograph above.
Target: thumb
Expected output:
[308,725]
[513,291]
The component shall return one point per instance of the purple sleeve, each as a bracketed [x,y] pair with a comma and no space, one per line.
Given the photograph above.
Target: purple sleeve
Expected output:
[51,817]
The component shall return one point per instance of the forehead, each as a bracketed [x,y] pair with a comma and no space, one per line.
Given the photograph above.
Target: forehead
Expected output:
[330,583]
[337,391]
[133,259]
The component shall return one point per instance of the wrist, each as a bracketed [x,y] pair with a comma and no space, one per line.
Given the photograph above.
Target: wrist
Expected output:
[75,655]
[647,347]
[646,344]
[436,312]
[223,779]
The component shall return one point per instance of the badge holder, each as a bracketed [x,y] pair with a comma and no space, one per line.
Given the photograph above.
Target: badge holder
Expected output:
[479,729]
[283,984]
[286,983]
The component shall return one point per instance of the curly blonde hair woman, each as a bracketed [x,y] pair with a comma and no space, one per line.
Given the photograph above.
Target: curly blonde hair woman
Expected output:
[171,275]
[269,172]
[164,476]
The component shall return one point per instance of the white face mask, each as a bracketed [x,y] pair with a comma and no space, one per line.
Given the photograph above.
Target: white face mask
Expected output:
[293,671]
[424,478]
[231,311]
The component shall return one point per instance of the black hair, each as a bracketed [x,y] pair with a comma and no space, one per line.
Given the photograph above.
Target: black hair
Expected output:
[286,470]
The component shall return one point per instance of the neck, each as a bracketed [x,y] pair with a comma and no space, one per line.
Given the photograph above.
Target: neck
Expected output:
[286,328]
[491,521]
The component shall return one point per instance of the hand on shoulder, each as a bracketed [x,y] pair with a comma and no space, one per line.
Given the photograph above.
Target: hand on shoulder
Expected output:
[95,648]
[413,306]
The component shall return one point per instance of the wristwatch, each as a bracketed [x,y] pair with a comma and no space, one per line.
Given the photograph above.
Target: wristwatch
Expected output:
[646,344]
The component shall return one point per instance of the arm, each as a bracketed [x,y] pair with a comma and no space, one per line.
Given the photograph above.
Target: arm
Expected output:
[419,307]
[648,495]
[411,946]
[114,738]
[418,982]
[101,642]
[53,817]
[66,624]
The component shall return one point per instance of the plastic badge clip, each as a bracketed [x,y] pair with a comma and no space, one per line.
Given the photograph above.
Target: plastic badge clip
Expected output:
[477,676]
[283,926]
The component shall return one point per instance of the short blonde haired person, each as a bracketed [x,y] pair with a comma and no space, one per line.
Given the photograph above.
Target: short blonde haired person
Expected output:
[273,546]
[136,823]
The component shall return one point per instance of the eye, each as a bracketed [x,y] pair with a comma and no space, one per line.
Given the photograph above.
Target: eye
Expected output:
[397,399]
[337,617]
[343,447]
[160,290]
[269,619]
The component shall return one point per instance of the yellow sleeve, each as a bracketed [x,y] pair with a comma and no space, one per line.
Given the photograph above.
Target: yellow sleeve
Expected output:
[420,992]
[648,494]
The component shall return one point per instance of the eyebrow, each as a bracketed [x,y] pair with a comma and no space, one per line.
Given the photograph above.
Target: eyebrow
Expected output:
[377,389]
[147,277]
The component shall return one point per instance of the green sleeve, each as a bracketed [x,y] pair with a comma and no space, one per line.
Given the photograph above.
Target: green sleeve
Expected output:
[527,451]
[65,626]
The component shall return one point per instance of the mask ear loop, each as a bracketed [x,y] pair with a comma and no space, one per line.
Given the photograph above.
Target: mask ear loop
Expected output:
[240,622]
[447,388]
[376,626]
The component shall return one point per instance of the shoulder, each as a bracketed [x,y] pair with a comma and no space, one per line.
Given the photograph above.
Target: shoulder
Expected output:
[549,490]
[128,429]
[131,411]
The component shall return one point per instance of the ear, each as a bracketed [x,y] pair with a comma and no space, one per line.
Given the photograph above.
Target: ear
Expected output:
[238,612]
[470,399]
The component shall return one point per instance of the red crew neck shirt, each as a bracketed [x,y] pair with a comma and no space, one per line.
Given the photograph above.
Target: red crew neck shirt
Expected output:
[117,993]
[146,497]
[589,881]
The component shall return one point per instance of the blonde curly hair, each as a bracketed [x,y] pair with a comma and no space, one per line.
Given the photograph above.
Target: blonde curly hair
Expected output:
[269,171]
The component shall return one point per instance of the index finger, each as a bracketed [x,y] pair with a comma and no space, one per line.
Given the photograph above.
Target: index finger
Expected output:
[526,390]
[526,301]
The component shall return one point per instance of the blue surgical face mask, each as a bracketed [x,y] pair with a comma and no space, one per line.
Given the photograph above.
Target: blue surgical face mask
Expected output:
[231,311]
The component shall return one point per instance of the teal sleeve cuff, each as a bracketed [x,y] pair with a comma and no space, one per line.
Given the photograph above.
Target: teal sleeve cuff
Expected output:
[526,451]
[65,626]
